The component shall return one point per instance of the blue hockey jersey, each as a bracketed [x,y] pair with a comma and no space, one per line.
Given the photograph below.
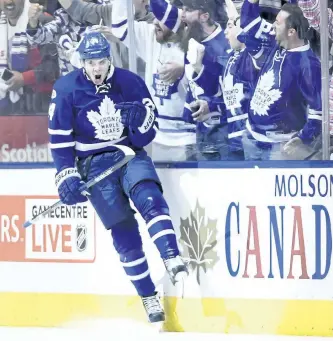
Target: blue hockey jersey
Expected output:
[168,98]
[206,83]
[287,97]
[237,85]
[84,121]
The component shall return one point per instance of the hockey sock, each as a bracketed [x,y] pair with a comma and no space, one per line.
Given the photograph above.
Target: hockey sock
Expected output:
[127,242]
[148,199]
[136,268]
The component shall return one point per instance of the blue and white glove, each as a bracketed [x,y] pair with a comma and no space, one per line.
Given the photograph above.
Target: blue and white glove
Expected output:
[70,185]
[135,115]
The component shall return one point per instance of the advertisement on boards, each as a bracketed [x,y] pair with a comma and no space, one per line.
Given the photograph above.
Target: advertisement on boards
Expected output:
[66,235]
[258,243]
[24,139]
[254,233]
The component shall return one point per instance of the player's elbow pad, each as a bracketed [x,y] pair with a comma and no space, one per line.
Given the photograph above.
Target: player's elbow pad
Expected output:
[140,140]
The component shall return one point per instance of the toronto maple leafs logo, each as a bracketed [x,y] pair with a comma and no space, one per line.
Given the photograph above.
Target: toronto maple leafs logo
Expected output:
[164,90]
[198,235]
[232,93]
[107,122]
[265,95]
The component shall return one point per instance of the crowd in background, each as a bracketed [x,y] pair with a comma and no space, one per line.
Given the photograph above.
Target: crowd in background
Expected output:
[195,83]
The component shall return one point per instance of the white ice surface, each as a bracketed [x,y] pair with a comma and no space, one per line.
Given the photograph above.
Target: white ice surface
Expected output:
[107,330]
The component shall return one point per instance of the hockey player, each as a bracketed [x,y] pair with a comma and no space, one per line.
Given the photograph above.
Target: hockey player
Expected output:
[206,54]
[93,109]
[157,45]
[285,110]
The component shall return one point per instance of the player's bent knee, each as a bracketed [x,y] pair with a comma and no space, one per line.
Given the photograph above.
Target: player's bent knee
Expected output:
[148,199]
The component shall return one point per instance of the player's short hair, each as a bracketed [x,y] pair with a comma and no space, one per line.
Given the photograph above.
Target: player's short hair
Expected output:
[296,20]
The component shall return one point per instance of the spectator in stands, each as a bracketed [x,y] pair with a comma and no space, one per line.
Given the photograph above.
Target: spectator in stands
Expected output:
[311,10]
[31,71]
[268,8]
[63,30]
[206,48]
[285,110]
[157,46]
[95,14]
[237,82]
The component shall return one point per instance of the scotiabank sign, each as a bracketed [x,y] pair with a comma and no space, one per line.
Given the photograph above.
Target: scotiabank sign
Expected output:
[24,139]
[66,235]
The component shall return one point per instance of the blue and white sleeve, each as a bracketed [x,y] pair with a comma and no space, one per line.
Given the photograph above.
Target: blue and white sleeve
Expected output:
[257,34]
[144,134]
[60,130]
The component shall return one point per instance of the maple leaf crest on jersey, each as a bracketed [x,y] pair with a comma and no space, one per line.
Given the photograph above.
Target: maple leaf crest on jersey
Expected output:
[107,122]
[233,94]
[265,95]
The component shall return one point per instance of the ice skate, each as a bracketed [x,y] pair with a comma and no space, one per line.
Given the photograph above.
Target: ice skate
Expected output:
[177,271]
[153,308]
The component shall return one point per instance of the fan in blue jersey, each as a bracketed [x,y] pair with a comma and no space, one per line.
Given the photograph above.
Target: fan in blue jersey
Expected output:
[93,109]
[206,54]
[285,111]
[237,82]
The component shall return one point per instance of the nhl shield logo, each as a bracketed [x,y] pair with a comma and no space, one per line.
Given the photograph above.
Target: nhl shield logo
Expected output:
[81,237]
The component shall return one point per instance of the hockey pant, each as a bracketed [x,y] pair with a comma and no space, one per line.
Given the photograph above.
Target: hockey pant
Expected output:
[138,181]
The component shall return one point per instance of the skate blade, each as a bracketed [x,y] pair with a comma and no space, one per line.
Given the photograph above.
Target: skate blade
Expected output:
[158,326]
[180,279]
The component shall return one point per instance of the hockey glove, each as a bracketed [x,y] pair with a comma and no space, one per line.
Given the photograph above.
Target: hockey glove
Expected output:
[134,114]
[70,185]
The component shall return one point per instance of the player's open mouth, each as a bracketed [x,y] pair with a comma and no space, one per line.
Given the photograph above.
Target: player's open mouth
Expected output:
[98,77]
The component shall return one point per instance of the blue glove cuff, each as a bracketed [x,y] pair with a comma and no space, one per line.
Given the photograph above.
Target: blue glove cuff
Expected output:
[65,174]
[148,122]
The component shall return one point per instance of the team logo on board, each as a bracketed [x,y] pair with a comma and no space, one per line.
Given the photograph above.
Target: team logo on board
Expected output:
[198,235]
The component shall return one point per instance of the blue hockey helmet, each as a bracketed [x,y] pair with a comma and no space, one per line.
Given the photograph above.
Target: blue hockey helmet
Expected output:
[94,46]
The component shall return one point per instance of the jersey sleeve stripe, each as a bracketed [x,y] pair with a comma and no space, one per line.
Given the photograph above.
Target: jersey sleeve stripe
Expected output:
[60,132]
[62,145]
